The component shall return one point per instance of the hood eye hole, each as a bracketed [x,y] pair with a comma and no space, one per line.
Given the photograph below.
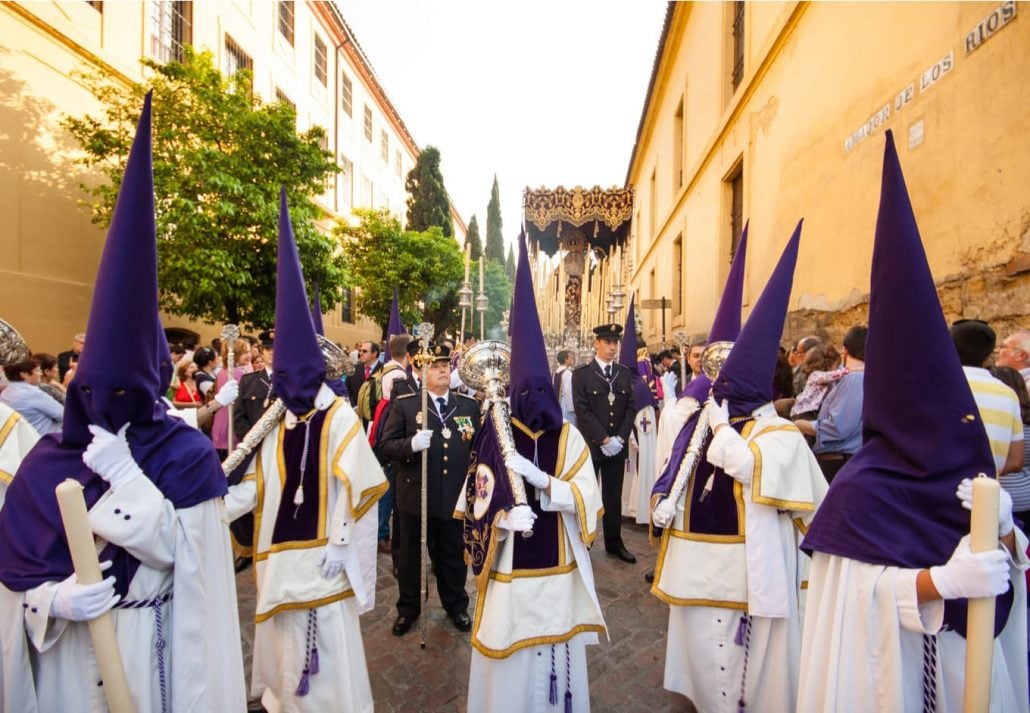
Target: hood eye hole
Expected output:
[119,392]
[87,390]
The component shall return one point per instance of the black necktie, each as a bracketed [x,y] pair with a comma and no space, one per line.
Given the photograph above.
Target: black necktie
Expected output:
[440,406]
[608,372]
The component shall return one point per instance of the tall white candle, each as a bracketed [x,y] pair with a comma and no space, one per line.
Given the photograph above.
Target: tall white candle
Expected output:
[77,531]
[983,537]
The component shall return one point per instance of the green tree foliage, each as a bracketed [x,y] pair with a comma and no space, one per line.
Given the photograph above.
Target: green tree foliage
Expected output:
[220,156]
[509,264]
[498,290]
[425,267]
[474,240]
[494,240]
[428,205]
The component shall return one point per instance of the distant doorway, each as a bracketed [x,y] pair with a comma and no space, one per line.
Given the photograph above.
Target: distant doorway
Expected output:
[178,335]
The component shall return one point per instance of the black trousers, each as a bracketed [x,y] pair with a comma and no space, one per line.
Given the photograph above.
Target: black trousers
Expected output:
[446,547]
[611,473]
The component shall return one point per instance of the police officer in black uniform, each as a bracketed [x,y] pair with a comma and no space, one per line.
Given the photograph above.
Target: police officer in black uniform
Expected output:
[602,395]
[451,425]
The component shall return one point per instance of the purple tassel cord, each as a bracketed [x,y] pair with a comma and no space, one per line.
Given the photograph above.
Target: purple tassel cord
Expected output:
[310,657]
[741,627]
[568,679]
[552,696]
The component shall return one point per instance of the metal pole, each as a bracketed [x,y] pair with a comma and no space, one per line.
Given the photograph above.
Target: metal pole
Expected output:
[424,332]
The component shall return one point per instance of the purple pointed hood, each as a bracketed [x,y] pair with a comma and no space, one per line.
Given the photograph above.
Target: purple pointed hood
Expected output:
[118,380]
[642,396]
[726,325]
[533,400]
[124,295]
[894,502]
[395,325]
[316,311]
[746,379]
[299,365]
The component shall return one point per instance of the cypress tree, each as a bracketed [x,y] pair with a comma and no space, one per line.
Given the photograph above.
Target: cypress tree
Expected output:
[494,241]
[474,240]
[428,205]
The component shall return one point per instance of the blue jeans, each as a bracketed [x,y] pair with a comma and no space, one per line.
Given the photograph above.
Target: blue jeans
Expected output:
[386,505]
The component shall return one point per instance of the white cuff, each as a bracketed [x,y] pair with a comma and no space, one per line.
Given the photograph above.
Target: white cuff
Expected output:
[42,630]
[561,498]
[922,619]
[729,451]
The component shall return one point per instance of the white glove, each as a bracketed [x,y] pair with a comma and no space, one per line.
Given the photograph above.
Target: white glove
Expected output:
[519,519]
[108,456]
[969,575]
[1005,522]
[83,602]
[664,512]
[718,414]
[228,393]
[525,467]
[421,440]
[668,380]
[334,559]
[614,446]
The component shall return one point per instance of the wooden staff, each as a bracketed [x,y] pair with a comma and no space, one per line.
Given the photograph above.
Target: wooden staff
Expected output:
[983,537]
[87,571]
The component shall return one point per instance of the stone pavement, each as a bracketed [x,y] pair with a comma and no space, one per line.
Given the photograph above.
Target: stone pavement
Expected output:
[625,672]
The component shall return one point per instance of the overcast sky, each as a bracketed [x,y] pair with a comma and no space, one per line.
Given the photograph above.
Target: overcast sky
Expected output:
[540,93]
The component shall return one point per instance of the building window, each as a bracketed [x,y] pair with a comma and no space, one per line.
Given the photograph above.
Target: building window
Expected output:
[170,29]
[280,96]
[677,147]
[347,306]
[736,181]
[384,146]
[398,163]
[738,44]
[347,180]
[677,276]
[368,124]
[285,12]
[366,192]
[346,94]
[235,58]
[321,61]
[653,204]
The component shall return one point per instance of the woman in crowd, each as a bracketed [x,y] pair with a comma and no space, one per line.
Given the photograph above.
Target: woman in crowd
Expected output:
[220,426]
[24,396]
[50,383]
[187,395]
[820,370]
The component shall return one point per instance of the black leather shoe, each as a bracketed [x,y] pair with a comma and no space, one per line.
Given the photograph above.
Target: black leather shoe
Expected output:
[623,554]
[402,625]
[462,621]
[241,564]
[649,577]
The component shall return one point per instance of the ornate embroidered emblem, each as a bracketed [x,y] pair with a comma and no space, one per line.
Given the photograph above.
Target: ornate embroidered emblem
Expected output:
[484,491]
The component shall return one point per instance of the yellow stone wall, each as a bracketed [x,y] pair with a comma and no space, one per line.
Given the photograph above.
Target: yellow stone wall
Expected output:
[814,74]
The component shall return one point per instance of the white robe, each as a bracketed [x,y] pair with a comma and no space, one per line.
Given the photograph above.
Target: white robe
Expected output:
[695,574]
[641,467]
[289,579]
[517,679]
[49,664]
[17,437]
[863,642]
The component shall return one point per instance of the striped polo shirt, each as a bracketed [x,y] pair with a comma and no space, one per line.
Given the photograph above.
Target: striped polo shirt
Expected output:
[999,409]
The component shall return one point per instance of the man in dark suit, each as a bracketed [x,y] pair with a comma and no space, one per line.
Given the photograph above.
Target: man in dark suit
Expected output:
[368,365]
[447,436]
[256,393]
[602,395]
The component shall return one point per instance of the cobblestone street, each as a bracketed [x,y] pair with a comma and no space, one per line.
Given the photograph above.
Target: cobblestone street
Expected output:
[625,672]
